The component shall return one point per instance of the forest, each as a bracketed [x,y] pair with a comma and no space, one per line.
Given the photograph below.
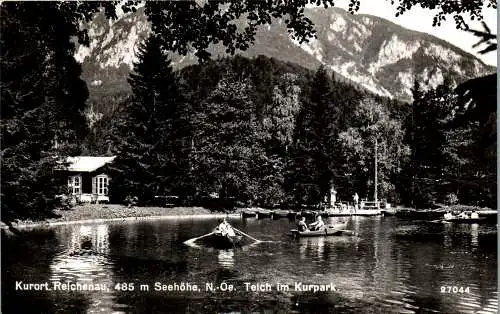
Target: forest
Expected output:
[267,133]
[254,131]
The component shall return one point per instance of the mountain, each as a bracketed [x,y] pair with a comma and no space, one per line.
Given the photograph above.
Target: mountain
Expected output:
[369,51]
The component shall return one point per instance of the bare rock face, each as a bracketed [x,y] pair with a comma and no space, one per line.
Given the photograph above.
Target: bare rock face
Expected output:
[369,51]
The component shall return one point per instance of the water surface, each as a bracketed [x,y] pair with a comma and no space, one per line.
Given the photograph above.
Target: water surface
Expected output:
[393,265]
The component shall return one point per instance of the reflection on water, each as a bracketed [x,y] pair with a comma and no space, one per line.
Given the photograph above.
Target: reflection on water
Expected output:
[474,230]
[392,266]
[226,258]
[86,261]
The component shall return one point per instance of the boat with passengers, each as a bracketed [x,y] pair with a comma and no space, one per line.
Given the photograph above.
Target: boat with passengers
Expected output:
[224,236]
[327,230]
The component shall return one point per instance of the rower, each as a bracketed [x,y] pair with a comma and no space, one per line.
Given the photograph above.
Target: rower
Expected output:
[463,215]
[225,228]
[317,224]
[301,225]
[474,215]
[229,228]
[448,216]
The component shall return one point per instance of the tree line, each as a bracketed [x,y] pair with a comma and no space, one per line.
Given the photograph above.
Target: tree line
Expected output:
[261,136]
[263,132]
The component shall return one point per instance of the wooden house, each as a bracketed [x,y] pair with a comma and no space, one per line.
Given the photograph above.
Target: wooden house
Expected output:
[88,180]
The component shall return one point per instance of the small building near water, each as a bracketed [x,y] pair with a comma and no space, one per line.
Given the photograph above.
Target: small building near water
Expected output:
[88,178]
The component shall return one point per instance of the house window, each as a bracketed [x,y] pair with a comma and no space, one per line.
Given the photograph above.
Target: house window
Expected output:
[100,185]
[75,184]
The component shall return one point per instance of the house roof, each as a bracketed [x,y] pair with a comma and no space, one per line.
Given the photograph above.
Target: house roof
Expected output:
[87,163]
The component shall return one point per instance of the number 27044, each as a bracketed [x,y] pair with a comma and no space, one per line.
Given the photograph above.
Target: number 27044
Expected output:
[455,289]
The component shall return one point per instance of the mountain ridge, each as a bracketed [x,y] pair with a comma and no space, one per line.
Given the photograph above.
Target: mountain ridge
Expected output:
[379,55]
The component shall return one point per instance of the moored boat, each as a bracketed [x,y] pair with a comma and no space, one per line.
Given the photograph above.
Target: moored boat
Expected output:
[293,215]
[389,212]
[248,214]
[309,214]
[328,230]
[263,213]
[277,214]
[367,212]
[336,214]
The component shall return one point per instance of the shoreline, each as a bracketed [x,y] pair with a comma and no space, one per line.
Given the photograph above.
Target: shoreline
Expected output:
[99,220]
[100,213]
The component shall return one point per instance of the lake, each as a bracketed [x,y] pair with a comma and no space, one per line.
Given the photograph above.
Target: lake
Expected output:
[392,265]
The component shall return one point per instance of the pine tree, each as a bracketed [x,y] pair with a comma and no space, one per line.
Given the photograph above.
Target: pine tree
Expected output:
[227,150]
[143,133]
[311,170]
[426,137]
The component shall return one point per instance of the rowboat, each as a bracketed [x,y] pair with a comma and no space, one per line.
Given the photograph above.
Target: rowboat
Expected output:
[367,212]
[335,214]
[248,214]
[329,230]
[222,241]
[263,213]
[277,214]
[309,214]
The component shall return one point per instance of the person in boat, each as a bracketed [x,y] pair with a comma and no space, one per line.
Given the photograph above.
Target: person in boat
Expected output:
[448,216]
[301,225]
[463,215]
[225,229]
[317,224]
[474,215]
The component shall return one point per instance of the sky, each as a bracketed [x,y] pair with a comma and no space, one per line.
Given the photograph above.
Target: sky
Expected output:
[421,20]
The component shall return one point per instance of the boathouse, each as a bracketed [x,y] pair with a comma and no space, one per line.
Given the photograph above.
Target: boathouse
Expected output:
[88,178]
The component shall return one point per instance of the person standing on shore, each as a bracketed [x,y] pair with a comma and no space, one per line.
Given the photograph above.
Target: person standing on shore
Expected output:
[355,198]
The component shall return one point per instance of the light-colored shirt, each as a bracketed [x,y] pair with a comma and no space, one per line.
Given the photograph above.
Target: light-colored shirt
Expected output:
[225,229]
[302,226]
[318,224]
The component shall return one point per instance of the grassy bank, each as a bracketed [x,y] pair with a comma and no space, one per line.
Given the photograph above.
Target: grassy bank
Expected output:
[98,212]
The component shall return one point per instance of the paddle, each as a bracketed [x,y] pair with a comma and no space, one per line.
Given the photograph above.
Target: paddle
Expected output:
[194,239]
[256,240]
[348,232]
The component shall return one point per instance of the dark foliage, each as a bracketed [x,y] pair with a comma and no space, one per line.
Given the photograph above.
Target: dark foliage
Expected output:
[452,136]
[142,130]
[314,137]
[43,100]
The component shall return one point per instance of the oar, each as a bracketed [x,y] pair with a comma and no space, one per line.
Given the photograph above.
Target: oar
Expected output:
[256,240]
[348,232]
[194,239]
[436,221]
